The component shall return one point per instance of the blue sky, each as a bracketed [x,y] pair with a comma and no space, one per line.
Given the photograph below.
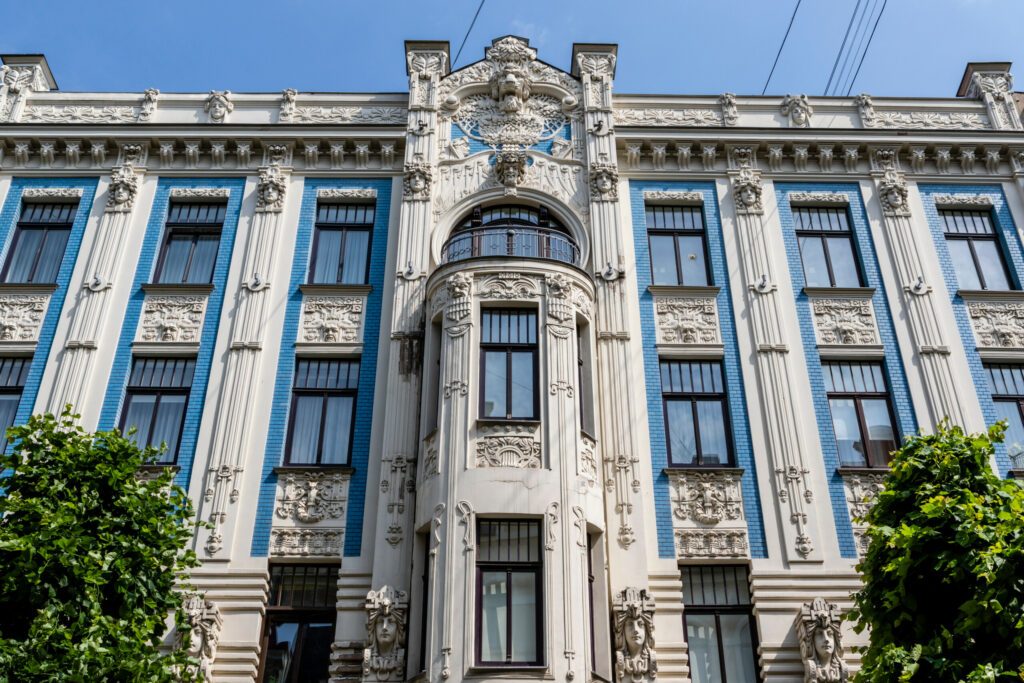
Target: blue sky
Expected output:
[665,46]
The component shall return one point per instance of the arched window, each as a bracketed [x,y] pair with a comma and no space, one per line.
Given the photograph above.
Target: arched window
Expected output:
[510,230]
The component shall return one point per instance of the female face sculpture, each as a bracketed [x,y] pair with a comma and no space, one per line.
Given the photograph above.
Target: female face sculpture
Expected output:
[604,183]
[121,193]
[386,632]
[417,183]
[635,634]
[748,196]
[824,645]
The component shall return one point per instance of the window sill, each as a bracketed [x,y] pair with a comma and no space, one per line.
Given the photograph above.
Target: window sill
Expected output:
[498,422]
[850,292]
[159,467]
[1015,474]
[509,671]
[714,469]
[173,288]
[684,290]
[42,287]
[845,470]
[325,289]
[285,469]
[991,294]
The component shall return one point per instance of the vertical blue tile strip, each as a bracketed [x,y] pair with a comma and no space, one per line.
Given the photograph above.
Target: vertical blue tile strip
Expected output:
[144,275]
[735,393]
[8,222]
[278,429]
[1010,242]
[895,375]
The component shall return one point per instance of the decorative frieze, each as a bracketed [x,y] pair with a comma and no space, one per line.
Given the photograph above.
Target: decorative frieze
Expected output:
[21,316]
[352,115]
[200,192]
[963,200]
[674,197]
[331,319]
[819,198]
[846,322]
[345,193]
[509,286]
[521,452]
[997,324]
[306,542]
[711,543]
[706,497]
[687,320]
[935,120]
[311,497]
[659,117]
[79,114]
[821,643]
[172,318]
[51,193]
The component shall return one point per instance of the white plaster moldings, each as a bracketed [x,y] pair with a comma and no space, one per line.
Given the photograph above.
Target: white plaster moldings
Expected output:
[963,200]
[819,630]
[588,461]
[378,115]
[687,321]
[331,320]
[200,193]
[711,543]
[861,489]
[997,324]
[707,497]
[658,117]
[345,193]
[521,452]
[509,286]
[674,197]
[79,114]
[844,322]
[52,193]
[306,542]
[798,109]
[172,318]
[21,316]
[819,199]
[310,497]
[518,119]
[935,120]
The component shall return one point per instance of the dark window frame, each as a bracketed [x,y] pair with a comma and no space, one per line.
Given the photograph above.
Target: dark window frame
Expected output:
[344,228]
[325,393]
[13,386]
[693,397]
[970,237]
[675,233]
[1008,397]
[510,567]
[305,616]
[194,230]
[168,458]
[45,227]
[856,397]
[718,611]
[823,236]
[509,349]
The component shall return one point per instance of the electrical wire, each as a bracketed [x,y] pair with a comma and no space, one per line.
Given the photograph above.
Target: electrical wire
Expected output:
[843,46]
[782,45]
[468,31]
[855,56]
[853,48]
[870,38]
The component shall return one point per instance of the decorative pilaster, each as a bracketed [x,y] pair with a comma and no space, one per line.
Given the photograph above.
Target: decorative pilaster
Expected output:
[787,454]
[995,89]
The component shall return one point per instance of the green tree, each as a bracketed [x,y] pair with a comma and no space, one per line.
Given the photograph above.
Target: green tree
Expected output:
[89,555]
[943,592]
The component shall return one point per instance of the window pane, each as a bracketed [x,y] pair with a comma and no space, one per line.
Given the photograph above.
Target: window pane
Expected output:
[204,257]
[691,253]
[337,429]
[663,260]
[9,409]
[51,256]
[705,666]
[682,444]
[492,617]
[881,436]
[524,617]
[713,445]
[176,253]
[737,648]
[280,652]
[963,264]
[844,422]
[1009,411]
[305,429]
[812,253]
[522,384]
[167,427]
[354,268]
[316,652]
[494,384]
[139,414]
[991,261]
[844,264]
[328,256]
[21,260]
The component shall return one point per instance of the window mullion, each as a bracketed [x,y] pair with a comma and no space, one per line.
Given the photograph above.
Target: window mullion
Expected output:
[862,424]
[679,258]
[508,615]
[341,256]
[721,647]
[508,383]
[828,259]
[977,264]
[323,423]
[696,430]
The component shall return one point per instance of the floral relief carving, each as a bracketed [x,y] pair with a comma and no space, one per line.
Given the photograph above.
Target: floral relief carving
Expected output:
[332,319]
[52,193]
[345,193]
[311,497]
[706,497]
[79,114]
[844,321]
[861,490]
[963,200]
[306,542]
[873,118]
[21,316]
[689,198]
[819,198]
[997,324]
[172,318]
[711,543]
[686,320]
[667,117]
[509,286]
[200,193]
[508,451]
[379,115]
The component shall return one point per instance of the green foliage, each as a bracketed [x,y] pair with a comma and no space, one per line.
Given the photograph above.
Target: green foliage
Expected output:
[943,588]
[89,554]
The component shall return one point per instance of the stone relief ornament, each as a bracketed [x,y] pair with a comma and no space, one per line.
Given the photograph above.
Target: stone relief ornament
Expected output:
[604,182]
[204,622]
[416,185]
[310,497]
[344,193]
[821,643]
[635,657]
[746,191]
[844,321]
[707,497]
[79,114]
[353,115]
[172,318]
[861,491]
[667,117]
[997,324]
[521,452]
[287,111]
[270,189]
[124,185]
[509,286]
[52,193]
[21,316]
[798,109]
[685,320]
[306,542]
[995,88]
[384,655]
[200,193]
[892,188]
[558,290]
[510,169]
[711,543]
[331,319]
[820,198]
[148,108]
[873,118]
[730,113]
[678,197]
[963,200]
[218,105]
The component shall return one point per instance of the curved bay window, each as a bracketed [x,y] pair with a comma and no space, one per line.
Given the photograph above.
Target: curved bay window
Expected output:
[519,231]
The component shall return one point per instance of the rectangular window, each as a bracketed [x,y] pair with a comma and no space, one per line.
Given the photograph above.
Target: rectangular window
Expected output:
[826,247]
[12,380]
[677,242]
[508,356]
[975,250]
[1007,385]
[155,403]
[323,408]
[37,249]
[508,593]
[341,244]
[696,420]
[862,415]
[191,242]
[299,627]
[720,629]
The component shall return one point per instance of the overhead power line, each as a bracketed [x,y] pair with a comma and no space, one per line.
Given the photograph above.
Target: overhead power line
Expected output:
[852,48]
[843,46]
[870,38]
[782,45]
[468,31]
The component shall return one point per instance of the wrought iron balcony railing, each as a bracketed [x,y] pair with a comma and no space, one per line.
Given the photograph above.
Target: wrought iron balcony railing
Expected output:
[519,242]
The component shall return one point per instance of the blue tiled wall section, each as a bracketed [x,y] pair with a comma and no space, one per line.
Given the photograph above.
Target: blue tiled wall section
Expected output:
[895,375]
[731,363]
[278,429]
[109,417]
[1010,239]
[8,222]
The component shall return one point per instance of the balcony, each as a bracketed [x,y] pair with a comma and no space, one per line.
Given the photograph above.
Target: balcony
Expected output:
[512,242]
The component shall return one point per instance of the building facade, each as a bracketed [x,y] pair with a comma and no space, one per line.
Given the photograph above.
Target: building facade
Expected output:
[511,376]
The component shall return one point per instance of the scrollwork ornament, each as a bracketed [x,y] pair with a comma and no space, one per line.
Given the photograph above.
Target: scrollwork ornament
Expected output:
[635,657]
[821,643]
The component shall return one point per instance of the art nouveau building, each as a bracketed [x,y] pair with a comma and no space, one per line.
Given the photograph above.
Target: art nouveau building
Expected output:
[513,376]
